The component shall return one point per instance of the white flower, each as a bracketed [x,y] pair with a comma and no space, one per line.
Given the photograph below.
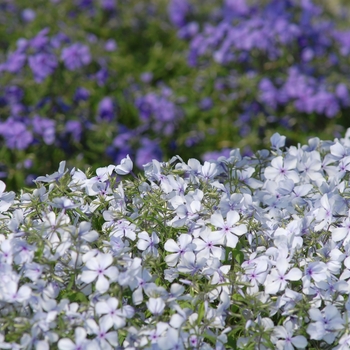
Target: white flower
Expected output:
[109,308]
[178,249]
[282,169]
[206,245]
[228,228]
[6,198]
[277,141]
[278,279]
[148,244]
[11,293]
[80,343]
[326,324]
[97,267]
[55,176]
[104,339]
[286,340]
[125,166]
[156,306]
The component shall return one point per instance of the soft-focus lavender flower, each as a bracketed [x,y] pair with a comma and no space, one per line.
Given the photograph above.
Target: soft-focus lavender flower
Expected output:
[57,40]
[225,152]
[178,10]
[81,94]
[76,56]
[13,94]
[146,77]
[188,31]
[111,45]
[101,76]
[28,15]
[41,40]
[74,128]
[42,65]
[108,5]
[16,134]
[14,63]
[206,104]
[106,109]
[342,93]
[149,149]
[45,128]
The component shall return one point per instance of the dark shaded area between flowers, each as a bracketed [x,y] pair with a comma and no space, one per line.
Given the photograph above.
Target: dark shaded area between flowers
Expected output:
[92,81]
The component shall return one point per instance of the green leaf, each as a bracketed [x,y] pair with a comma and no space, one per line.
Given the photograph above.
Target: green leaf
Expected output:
[72,296]
[201,311]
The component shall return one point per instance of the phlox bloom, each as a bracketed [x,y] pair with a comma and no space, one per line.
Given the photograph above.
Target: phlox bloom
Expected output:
[228,228]
[282,169]
[80,343]
[325,323]
[97,267]
[156,305]
[278,279]
[125,166]
[286,340]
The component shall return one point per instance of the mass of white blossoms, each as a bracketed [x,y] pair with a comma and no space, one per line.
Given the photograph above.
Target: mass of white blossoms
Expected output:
[236,253]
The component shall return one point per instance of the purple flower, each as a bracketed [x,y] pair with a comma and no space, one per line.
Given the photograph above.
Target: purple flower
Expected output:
[206,104]
[106,109]
[188,31]
[45,128]
[28,15]
[81,94]
[268,93]
[225,152]
[74,128]
[110,45]
[13,94]
[148,150]
[343,39]
[146,77]
[40,41]
[101,76]
[15,62]
[42,65]
[178,10]
[76,56]
[59,39]
[235,8]
[342,92]
[16,134]
[108,5]
[159,110]
[326,103]
[121,140]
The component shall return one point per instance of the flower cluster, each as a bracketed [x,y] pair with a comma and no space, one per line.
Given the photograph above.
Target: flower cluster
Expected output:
[205,76]
[283,47]
[240,252]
